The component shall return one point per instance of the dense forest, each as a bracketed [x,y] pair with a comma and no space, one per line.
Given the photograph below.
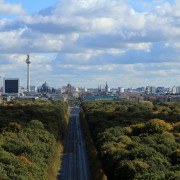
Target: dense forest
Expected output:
[29,131]
[136,140]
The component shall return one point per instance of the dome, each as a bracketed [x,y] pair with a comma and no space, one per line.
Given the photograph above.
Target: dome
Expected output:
[45,85]
[68,85]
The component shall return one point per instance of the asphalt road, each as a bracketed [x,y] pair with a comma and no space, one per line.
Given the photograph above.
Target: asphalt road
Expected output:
[74,161]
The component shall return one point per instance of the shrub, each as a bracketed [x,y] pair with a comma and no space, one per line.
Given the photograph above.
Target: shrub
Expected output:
[36,124]
[176,127]
[125,139]
[175,157]
[142,152]
[167,139]
[147,104]
[157,126]
[125,170]
[14,127]
[127,130]
[152,176]
[130,169]
[155,159]
[163,149]
[110,134]
[173,175]
[137,129]
[148,140]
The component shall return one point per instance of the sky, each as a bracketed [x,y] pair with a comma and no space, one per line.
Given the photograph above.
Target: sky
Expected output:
[128,43]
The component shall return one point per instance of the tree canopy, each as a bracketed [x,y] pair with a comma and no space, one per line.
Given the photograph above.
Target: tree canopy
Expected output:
[136,140]
[29,131]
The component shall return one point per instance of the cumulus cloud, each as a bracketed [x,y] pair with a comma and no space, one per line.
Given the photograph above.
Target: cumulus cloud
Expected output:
[94,25]
[7,8]
[92,36]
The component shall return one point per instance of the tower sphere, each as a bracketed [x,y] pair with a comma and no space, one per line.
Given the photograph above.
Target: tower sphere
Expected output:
[28,59]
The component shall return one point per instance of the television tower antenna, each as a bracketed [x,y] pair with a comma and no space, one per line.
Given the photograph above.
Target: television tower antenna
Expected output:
[28,62]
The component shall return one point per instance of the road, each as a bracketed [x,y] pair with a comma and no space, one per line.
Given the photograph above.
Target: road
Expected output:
[74,162]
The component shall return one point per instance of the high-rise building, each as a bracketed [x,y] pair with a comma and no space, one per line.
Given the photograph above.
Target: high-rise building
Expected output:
[150,90]
[153,90]
[11,86]
[1,84]
[178,90]
[174,90]
[140,89]
[99,89]
[33,88]
[120,90]
[160,89]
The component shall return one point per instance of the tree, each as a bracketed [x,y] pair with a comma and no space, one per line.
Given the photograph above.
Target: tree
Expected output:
[157,126]
[175,157]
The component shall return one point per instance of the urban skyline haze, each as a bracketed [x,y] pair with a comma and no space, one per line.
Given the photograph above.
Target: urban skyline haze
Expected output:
[88,42]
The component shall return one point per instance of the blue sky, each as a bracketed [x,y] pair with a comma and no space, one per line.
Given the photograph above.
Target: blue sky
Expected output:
[129,43]
[32,6]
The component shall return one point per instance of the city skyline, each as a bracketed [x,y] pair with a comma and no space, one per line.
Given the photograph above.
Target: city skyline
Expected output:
[88,42]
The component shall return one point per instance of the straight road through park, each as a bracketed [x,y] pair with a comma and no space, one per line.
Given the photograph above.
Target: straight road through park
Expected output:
[74,161]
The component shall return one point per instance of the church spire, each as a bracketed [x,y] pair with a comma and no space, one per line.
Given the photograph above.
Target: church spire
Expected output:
[106,87]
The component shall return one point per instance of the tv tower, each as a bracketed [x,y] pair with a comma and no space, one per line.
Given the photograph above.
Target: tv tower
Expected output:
[28,62]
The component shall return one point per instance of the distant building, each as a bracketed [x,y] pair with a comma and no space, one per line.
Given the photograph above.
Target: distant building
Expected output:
[153,90]
[45,88]
[106,88]
[61,90]
[150,90]
[58,97]
[11,86]
[1,99]
[133,97]
[33,88]
[99,89]
[160,90]
[140,89]
[120,90]
[173,91]
[167,90]
[102,97]
[69,89]
[1,84]
[29,97]
[178,90]
[129,90]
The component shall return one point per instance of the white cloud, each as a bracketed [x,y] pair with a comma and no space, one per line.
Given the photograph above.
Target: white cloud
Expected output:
[72,20]
[98,38]
[139,46]
[175,8]
[7,8]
